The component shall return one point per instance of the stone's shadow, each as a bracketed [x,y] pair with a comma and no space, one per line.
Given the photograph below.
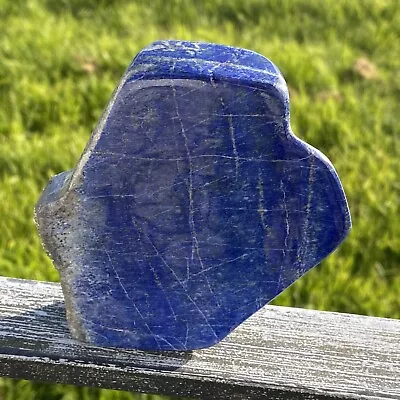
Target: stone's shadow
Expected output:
[43,332]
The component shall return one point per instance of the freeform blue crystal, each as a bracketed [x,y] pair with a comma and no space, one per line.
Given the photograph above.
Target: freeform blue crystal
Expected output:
[193,204]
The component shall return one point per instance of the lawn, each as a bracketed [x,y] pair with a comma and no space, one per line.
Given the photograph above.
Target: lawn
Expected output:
[61,59]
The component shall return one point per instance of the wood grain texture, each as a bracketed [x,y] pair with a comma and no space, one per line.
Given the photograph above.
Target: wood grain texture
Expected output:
[279,353]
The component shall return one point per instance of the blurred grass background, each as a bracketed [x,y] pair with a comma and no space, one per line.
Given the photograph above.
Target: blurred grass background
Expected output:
[61,59]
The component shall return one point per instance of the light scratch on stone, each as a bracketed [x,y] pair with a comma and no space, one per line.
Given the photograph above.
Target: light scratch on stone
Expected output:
[310,192]
[127,331]
[187,335]
[311,178]
[179,281]
[117,275]
[187,269]
[233,139]
[230,122]
[132,302]
[157,251]
[261,205]
[159,284]
[287,226]
[195,242]
[229,157]
[220,264]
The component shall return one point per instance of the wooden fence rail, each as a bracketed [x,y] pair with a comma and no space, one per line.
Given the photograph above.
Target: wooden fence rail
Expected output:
[279,353]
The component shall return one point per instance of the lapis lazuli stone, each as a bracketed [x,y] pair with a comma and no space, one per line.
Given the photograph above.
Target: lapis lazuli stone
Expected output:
[192,206]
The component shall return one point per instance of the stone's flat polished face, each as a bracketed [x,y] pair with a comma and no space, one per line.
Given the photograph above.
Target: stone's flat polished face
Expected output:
[193,204]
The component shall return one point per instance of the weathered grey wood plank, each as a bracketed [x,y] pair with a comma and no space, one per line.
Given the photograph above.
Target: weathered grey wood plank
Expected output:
[279,353]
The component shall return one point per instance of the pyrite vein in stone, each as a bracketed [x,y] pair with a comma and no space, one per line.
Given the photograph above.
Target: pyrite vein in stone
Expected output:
[192,206]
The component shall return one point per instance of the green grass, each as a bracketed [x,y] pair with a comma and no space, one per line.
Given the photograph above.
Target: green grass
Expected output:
[61,59]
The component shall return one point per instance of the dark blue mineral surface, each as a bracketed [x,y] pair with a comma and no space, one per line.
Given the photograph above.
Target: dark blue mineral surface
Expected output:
[193,204]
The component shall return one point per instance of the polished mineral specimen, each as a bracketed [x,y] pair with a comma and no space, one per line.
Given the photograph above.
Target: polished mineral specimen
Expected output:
[193,204]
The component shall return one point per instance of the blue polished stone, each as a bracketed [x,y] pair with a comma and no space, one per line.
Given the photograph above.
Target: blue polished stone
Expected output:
[193,204]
